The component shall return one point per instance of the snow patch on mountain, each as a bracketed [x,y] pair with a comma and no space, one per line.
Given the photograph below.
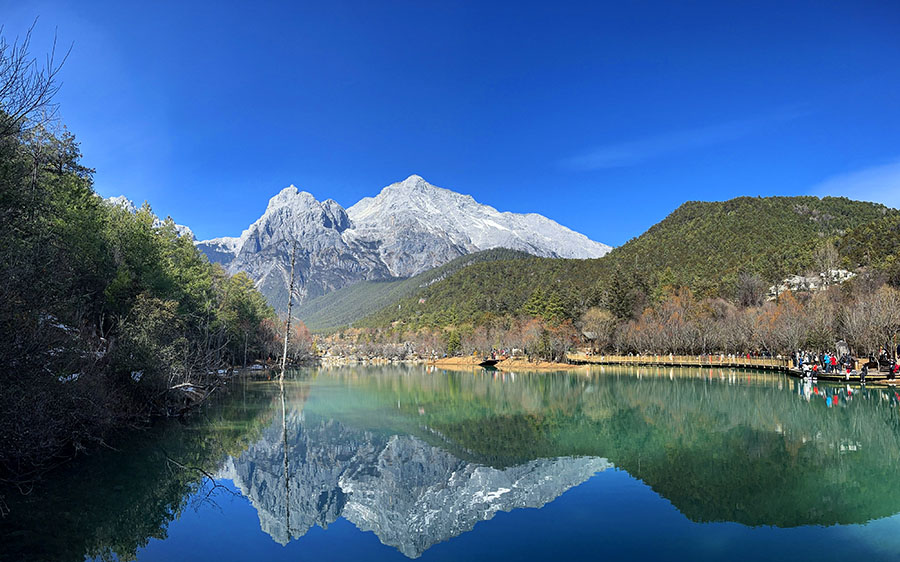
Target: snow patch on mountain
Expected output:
[411,494]
[324,260]
[417,226]
[408,228]
[128,205]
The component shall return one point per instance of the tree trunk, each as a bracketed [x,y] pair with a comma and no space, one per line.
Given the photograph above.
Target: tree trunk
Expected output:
[287,325]
[284,446]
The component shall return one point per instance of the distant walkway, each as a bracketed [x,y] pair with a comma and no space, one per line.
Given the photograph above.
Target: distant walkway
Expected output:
[736,362]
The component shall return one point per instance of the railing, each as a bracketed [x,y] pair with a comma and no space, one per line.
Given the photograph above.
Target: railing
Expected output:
[683,360]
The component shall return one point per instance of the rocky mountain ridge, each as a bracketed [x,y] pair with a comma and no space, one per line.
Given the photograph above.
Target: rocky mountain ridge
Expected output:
[408,228]
[411,494]
[417,226]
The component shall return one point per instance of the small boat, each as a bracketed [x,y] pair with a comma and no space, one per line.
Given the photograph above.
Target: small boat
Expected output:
[488,363]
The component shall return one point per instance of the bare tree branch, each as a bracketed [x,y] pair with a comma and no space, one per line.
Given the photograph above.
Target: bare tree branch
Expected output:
[27,88]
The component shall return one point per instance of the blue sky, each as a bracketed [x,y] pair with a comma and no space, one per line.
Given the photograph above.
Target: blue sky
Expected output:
[602,116]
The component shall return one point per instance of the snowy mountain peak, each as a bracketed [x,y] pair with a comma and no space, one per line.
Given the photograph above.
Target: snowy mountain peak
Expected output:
[409,227]
[417,184]
[412,196]
[418,225]
[296,215]
[128,205]
[292,197]
[414,182]
[324,260]
[124,202]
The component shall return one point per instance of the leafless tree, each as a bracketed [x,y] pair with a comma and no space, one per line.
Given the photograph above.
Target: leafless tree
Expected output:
[873,320]
[826,261]
[751,289]
[287,324]
[791,326]
[27,87]
[599,324]
[858,325]
[887,320]
[478,341]
[823,314]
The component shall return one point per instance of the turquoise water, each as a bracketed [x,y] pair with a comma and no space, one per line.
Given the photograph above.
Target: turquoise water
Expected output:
[393,463]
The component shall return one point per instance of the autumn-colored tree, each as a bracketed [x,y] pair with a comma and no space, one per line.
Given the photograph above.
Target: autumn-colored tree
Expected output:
[598,326]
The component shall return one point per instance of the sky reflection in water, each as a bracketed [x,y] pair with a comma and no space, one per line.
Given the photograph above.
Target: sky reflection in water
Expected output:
[396,463]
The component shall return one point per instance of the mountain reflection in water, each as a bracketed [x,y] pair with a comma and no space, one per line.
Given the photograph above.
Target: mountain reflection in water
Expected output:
[409,493]
[421,457]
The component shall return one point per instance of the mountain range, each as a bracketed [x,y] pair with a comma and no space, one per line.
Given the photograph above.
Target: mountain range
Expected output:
[410,227]
[421,254]
[705,246]
[410,493]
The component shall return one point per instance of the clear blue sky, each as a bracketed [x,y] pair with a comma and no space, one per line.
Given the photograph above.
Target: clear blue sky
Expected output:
[602,116]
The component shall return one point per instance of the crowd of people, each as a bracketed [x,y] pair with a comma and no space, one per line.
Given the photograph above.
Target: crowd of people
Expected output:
[831,362]
[827,362]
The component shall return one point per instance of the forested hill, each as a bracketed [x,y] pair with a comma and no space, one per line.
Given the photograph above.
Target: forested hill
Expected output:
[875,244]
[480,292]
[705,245]
[702,245]
[348,304]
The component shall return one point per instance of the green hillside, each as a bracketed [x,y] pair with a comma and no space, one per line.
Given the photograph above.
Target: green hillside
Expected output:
[705,245]
[486,290]
[347,305]
[701,245]
[875,244]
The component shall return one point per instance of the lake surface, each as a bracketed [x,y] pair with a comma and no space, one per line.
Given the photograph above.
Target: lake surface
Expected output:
[394,463]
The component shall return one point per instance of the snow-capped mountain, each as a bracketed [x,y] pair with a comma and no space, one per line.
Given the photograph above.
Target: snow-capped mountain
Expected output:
[417,226]
[128,205]
[410,227]
[411,494]
[324,259]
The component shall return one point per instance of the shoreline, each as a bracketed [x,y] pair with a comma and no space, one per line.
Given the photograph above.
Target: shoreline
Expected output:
[506,364]
[459,363]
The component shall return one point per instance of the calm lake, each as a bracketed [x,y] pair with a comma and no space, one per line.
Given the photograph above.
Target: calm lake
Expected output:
[393,463]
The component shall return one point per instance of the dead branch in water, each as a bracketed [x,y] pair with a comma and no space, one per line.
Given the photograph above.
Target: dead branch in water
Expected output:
[204,473]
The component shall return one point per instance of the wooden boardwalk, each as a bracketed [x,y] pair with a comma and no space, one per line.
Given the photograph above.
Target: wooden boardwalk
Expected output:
[875,378]
[734,362]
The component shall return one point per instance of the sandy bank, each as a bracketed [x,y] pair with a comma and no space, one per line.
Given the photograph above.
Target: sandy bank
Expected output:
[526,365]
[511,364]
[455,362]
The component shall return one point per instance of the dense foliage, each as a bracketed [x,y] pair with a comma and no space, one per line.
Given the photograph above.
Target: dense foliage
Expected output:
[702,246]
[705,245]
[346,306]
[698,282]
[480,292]
[876,245]
[103,310]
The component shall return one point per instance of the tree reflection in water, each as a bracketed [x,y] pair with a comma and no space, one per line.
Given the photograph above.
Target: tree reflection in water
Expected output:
[421,457]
